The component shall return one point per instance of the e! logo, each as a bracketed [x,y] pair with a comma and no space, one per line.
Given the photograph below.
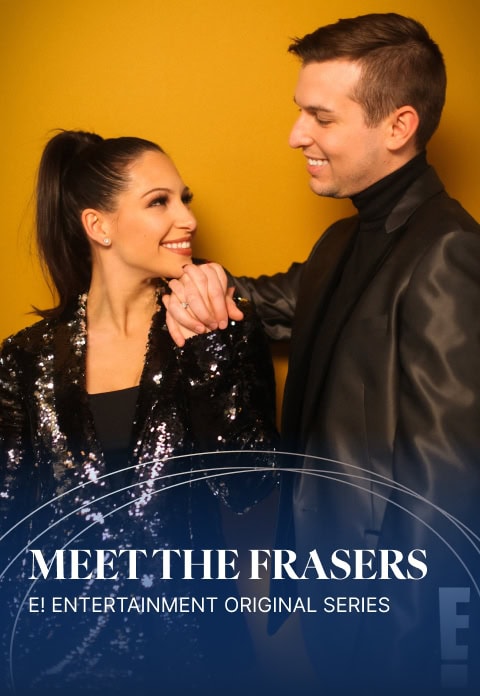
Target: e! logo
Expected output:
[454,655]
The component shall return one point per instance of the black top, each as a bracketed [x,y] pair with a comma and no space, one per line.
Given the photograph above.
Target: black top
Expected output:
[113,415]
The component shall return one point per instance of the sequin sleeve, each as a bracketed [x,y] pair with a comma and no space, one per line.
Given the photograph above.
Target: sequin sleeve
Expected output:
[230,390]
[15,447]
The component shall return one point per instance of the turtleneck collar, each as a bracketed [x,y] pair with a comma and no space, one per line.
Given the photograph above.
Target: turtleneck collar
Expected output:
[376,202]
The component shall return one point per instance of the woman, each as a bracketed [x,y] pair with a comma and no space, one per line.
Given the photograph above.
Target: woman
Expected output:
[101,419]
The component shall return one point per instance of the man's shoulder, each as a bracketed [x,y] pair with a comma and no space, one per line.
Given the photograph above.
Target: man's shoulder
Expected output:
[427,204]
[449,214]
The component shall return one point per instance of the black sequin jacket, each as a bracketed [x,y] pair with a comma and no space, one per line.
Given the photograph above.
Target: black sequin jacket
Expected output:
[216,393]
[213,395]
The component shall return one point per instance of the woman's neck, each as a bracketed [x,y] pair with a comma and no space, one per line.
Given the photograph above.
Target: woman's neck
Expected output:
[120,307]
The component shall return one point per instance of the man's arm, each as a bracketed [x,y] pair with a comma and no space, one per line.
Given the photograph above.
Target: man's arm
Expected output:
[202,300]
[274,297]
[437,443]
[438,435]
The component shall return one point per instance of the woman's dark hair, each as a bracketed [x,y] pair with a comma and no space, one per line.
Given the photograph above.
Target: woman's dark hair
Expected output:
[78,170]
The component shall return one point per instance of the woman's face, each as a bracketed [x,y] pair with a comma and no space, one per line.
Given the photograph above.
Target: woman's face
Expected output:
[152,227]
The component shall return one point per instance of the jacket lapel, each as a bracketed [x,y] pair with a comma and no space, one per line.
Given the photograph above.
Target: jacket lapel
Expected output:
[74,416]
[318,282]
[158,368]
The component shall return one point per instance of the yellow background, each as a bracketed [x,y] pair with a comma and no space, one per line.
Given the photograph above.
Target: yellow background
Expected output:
[212,82]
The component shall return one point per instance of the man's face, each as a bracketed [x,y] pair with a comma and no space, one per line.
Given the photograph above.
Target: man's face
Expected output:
[344,156]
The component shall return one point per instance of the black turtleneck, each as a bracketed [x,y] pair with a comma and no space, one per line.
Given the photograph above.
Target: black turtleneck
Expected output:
[375,203]
[369,247]
[372,239]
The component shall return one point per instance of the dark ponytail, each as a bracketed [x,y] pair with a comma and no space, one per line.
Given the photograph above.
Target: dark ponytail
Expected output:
[78,170]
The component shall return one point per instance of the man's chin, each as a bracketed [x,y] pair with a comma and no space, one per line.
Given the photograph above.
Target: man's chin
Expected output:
[323,189]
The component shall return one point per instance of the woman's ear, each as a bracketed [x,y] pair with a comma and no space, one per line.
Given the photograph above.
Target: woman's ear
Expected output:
[95,226]
[402,128]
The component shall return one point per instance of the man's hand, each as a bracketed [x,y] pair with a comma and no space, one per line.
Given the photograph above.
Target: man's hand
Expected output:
[200,301]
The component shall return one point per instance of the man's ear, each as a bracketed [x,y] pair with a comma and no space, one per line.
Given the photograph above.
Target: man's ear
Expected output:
[96,227]
[402,126]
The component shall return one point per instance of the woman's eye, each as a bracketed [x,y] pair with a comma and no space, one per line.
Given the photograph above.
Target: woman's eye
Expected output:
[161,200]
[187,198]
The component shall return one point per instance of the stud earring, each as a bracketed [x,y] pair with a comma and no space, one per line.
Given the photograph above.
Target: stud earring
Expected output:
[107,241]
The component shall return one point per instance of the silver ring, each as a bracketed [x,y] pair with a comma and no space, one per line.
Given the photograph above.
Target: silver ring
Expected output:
[185,305]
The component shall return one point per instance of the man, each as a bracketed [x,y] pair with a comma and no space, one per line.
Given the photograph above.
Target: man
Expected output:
[384,370]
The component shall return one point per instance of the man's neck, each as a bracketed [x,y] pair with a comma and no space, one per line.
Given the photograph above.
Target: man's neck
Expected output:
[375,203]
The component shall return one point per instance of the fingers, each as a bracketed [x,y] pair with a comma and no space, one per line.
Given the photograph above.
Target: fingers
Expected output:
[203,288]
[181,323]
[174,330]
[233,311]
[210,281]
[172,325]
[224,300]
[200,302]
